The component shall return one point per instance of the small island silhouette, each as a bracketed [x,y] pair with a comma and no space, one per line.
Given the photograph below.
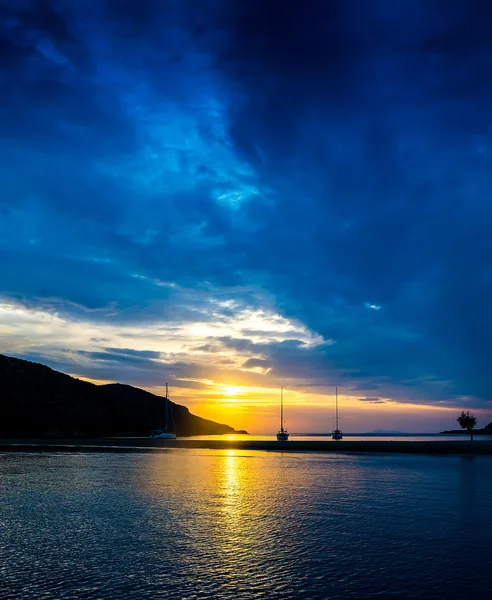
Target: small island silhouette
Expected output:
[487,430]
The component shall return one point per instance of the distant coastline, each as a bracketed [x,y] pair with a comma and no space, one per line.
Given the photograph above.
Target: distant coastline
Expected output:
[487,430]
[381,433]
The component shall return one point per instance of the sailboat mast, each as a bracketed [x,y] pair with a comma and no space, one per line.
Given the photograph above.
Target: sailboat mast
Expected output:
[336,404]
[167,401]
[281,408]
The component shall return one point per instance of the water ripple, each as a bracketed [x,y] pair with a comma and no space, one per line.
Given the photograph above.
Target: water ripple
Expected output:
[219,525]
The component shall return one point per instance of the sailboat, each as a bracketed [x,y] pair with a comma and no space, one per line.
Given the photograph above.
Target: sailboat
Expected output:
[283,434]
[164,434]
[336,434]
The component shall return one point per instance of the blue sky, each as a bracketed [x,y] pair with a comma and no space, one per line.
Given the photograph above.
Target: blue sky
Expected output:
[233,196]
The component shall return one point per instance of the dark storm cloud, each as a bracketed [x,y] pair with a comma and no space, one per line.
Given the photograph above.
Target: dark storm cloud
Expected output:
[48,90]
[377,140]
[76,206]
[336,154]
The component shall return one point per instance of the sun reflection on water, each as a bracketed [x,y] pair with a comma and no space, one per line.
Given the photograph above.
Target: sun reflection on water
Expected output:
[231,492]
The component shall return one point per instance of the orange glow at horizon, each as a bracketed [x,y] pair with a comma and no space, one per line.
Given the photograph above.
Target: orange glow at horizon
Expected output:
[256,409]
[91,380]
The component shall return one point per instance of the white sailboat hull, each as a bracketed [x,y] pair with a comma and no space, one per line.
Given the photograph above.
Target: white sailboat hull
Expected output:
[282,436]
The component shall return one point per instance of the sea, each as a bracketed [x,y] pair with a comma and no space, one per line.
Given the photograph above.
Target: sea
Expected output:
[223,524]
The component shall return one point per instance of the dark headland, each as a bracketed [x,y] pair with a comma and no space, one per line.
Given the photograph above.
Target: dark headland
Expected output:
[38,402]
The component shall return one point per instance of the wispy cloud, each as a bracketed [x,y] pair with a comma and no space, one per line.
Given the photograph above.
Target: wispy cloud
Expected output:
[372,400]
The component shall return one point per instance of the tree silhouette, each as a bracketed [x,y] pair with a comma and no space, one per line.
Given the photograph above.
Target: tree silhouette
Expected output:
[468,422]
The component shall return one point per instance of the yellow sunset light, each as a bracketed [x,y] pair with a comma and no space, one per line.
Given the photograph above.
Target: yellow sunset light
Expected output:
[230,390]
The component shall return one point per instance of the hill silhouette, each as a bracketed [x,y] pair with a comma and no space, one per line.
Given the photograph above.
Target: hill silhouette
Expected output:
[38,401]
[487,430]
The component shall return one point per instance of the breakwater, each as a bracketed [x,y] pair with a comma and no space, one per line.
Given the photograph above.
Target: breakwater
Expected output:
[459,447]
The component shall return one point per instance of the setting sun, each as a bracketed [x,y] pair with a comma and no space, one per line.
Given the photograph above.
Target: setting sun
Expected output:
[230,390]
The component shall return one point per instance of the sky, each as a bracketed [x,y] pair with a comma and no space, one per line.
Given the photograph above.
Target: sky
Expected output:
[236,196]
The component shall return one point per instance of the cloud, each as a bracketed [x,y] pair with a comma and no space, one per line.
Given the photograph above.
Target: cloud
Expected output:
[117,357]
[365,386]
[382,177]
[145,354]
[257,364]
[372,400]
[301,191]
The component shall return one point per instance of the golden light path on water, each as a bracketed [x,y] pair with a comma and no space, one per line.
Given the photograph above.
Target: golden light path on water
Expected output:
[229,524]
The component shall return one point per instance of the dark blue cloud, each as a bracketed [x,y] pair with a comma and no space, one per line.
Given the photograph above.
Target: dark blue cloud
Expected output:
[372,400]
[332,155]
[261,363]
[105,366]
[376,140]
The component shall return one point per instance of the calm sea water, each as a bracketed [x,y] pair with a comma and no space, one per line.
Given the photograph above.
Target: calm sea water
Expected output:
[231,524]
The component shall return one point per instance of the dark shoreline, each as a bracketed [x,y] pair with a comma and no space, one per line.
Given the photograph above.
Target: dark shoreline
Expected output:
[120,445]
